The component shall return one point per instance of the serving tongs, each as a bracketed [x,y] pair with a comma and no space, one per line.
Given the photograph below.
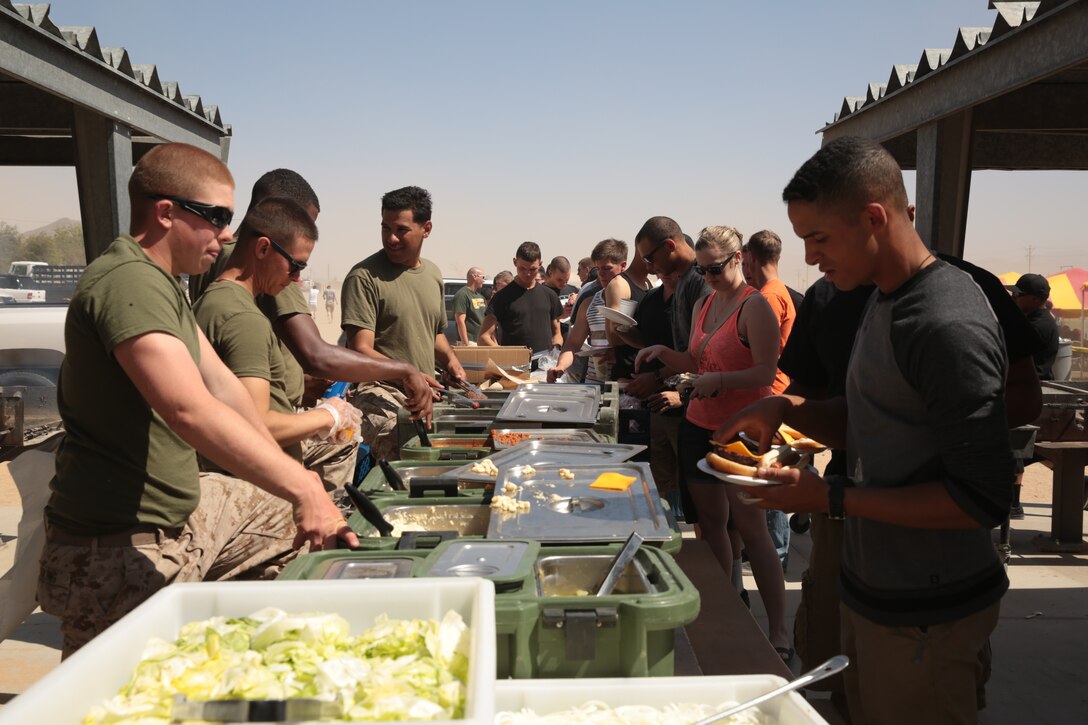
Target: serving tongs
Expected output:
[784,455]
[457,399]
[368,509]
[421,431]
[298,710]
[392,477]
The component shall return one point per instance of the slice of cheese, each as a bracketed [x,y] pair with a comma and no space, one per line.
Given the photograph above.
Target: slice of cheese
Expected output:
[738,448]
[613,482]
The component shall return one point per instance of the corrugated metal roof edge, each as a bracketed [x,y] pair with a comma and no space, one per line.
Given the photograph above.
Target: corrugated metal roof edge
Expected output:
[1009,18]
[84,41]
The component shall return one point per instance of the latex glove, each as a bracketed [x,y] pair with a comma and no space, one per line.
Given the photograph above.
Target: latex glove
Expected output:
[347,421]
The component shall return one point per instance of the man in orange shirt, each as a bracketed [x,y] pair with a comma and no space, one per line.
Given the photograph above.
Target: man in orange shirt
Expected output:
[760,266]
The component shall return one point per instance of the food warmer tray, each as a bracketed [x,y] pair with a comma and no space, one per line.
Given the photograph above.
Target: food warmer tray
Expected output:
[544,453]
[549,435]
[534,407]
[566,511]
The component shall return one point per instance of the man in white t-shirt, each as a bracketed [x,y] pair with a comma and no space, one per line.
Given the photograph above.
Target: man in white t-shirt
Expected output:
[314,294]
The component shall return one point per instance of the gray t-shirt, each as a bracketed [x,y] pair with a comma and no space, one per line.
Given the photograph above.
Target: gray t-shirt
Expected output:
[925,401]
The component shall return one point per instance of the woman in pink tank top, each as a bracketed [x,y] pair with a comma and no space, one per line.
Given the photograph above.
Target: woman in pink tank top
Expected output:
[734,349]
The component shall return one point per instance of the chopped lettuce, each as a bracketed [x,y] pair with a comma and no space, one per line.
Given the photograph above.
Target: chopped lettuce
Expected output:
[397,670]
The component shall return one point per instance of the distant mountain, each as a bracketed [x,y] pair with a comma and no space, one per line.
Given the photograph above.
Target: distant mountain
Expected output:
[51,227]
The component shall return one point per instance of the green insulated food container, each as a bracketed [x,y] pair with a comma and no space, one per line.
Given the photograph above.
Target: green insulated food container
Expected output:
[559,628]
[347,564]
[446,447]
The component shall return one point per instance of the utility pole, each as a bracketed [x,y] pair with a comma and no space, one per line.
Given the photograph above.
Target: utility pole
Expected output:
[1030,251]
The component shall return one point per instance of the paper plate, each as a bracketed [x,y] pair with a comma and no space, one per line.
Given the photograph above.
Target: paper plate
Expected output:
[706,468]
[618,317]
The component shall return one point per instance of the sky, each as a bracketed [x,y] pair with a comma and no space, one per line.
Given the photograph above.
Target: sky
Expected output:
[562,122]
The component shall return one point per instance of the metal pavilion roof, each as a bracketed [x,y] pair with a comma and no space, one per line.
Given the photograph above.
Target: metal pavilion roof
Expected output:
[84,47]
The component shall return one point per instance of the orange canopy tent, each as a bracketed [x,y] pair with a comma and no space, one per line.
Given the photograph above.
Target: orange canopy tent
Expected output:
[1067,292]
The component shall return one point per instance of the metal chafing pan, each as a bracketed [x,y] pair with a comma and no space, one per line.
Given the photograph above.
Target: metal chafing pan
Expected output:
[466,519]
[503,438]
[534,407]
[394,567]
[543,453]
[567,510]
[568,390]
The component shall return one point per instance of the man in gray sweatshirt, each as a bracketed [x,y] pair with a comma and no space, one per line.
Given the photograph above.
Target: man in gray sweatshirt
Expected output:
[923,423]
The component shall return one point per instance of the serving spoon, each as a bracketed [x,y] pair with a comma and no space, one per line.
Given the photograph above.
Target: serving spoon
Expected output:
[833,666]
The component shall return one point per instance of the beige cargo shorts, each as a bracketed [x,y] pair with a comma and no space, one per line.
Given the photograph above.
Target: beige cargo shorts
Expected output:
[237,531]
[379,404]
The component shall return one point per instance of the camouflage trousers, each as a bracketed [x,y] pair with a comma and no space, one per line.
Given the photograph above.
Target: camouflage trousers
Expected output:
[237,531]
[379,404]
[334,462]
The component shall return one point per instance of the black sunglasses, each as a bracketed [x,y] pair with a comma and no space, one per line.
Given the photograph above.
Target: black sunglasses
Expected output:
[218,216]
[712,269]
[292,264]
[649,258]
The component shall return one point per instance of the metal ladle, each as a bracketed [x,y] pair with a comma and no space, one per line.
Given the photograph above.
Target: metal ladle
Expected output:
[625,556]
[833,666]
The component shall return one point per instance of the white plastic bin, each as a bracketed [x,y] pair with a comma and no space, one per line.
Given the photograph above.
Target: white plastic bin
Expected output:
[98,670]
[548,696]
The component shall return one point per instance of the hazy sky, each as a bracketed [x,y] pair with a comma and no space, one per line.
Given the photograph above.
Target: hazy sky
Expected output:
[563,122]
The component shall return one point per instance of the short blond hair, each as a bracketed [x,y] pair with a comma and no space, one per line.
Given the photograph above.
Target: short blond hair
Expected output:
[725,240]
[173,169]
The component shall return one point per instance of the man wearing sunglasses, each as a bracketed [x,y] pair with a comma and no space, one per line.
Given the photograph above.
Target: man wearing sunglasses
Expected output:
[140,389]
[242,335]
[304,350]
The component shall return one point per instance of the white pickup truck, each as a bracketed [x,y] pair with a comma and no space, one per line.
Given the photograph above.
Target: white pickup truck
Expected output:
[31,350]
[18,289]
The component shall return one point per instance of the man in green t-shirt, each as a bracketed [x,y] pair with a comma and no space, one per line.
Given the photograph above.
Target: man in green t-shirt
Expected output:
[468,307]
[275,241]
[304,351]
[140,388]
[392,306]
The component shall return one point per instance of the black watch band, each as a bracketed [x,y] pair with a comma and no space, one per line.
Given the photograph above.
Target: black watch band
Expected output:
[836,498]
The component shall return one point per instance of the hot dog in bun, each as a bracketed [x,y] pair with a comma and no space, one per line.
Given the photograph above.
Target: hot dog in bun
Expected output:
[736,459]
[798,440]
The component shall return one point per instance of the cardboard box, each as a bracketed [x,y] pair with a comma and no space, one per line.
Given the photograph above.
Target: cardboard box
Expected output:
[504,356]
[98,670]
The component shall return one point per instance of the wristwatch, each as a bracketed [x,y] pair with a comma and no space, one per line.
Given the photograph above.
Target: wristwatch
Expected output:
[836,497]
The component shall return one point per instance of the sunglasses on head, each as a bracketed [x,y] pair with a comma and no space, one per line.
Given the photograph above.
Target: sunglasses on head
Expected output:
[218,216]
[292,264]
[712,269]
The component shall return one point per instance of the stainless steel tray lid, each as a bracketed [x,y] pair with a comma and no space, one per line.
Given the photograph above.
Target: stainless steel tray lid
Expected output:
[568,510]
[545,453]
[569,390]
[371,568]
[481,558]
[532,407]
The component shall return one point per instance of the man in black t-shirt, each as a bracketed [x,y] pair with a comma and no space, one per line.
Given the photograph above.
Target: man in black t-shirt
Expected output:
[1030,294]
[527,311]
